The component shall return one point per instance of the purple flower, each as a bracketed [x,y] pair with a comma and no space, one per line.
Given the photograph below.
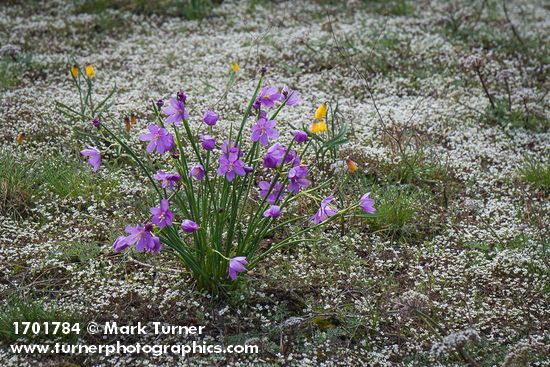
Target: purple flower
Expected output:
[293,157]
[264,130]
[210,118]
[142,237]
[325,211]
[160,102]
[181,96]
[292,97]
[176,112]
[297,177]
[248,169]
[273,212]
[208,142]
[167,179]
[94,157]
[162,216]
[300,136]
[159,138]
[274,155]
[120,243]
[236,265]
[230,165]
[257,104]
[276,191]
[228,148]
[189,226]
[367,204]
[268,96]
[96,122]
[197,171]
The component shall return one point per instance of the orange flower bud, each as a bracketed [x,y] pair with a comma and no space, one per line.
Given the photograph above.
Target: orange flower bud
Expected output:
[352,166]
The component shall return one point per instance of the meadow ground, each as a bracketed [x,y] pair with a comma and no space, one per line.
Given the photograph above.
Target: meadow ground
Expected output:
[446,105]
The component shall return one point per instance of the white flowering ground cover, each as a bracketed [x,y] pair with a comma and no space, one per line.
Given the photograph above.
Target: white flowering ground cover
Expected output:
[453,269]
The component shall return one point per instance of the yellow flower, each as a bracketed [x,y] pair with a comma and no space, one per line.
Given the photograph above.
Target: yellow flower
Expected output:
[352,166]
[321,111]
[235,67]
[90,71]
[74,71]
[318,126]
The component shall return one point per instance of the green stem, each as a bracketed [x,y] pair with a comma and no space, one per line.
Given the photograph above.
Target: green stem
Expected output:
[136,159]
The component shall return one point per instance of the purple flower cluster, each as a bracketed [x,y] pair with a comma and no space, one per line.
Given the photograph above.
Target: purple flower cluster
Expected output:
[269,95]
[141,235]
[277,159]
